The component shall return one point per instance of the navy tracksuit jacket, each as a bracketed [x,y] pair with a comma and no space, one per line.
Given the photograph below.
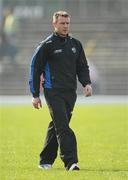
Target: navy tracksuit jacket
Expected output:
[61,60]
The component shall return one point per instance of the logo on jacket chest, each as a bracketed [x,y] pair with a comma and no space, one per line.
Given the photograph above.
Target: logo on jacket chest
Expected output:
[73,49]
[57,51]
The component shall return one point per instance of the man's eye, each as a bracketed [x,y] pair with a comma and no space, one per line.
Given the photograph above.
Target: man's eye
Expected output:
[64,23]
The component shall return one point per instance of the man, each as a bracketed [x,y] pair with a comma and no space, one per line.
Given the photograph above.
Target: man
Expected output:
[10,27]
[61,59]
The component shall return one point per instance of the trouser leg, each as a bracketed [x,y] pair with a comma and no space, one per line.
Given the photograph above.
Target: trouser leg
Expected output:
[49,152]
[61,114]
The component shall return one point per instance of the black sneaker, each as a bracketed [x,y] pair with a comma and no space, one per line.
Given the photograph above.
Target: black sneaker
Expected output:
[74,167]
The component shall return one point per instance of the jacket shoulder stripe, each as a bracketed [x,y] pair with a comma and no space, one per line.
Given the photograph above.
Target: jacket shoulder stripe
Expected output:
[32,69]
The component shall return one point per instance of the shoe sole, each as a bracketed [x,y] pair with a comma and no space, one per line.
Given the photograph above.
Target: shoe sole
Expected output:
[40,167]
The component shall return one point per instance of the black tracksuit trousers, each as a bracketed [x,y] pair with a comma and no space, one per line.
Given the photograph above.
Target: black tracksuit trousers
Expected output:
[61,104]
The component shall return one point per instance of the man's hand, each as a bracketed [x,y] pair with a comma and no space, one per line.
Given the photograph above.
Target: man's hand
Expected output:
[88,90]
[36,102]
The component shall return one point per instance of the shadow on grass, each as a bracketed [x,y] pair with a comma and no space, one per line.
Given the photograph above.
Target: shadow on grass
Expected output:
[94,170]
[104,170]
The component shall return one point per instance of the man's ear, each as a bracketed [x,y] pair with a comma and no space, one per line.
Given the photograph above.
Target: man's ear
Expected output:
[54,24]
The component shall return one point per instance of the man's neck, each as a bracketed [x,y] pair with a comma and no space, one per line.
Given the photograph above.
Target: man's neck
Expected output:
[61,35]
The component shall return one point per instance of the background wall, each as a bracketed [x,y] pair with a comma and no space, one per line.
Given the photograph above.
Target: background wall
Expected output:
[101,25]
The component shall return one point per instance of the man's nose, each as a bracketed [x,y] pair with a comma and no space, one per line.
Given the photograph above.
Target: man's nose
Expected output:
[65,25]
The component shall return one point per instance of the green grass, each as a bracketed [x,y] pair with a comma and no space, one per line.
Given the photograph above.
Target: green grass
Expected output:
[102,134]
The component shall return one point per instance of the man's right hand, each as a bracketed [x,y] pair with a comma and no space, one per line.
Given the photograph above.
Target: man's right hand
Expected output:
[36,102]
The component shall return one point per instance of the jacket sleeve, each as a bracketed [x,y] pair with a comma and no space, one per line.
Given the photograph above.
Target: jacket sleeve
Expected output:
[83,68]
[37,65]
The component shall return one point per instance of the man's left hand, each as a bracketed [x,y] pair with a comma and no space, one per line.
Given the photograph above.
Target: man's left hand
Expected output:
[88,90]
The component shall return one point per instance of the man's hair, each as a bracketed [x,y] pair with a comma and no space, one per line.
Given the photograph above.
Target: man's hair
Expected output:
[60,13]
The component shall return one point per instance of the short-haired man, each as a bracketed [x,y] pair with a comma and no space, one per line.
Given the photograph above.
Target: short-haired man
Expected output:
[61,59]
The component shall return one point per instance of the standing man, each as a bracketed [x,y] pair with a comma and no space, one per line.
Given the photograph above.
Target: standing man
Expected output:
[61,59]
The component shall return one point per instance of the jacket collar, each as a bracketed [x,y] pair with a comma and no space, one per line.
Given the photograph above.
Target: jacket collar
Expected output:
[60,37]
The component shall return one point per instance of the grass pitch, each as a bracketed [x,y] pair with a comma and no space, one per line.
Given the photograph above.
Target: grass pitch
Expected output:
[102,135]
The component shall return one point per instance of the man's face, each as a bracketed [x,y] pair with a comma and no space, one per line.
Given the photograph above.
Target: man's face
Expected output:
[61,26]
